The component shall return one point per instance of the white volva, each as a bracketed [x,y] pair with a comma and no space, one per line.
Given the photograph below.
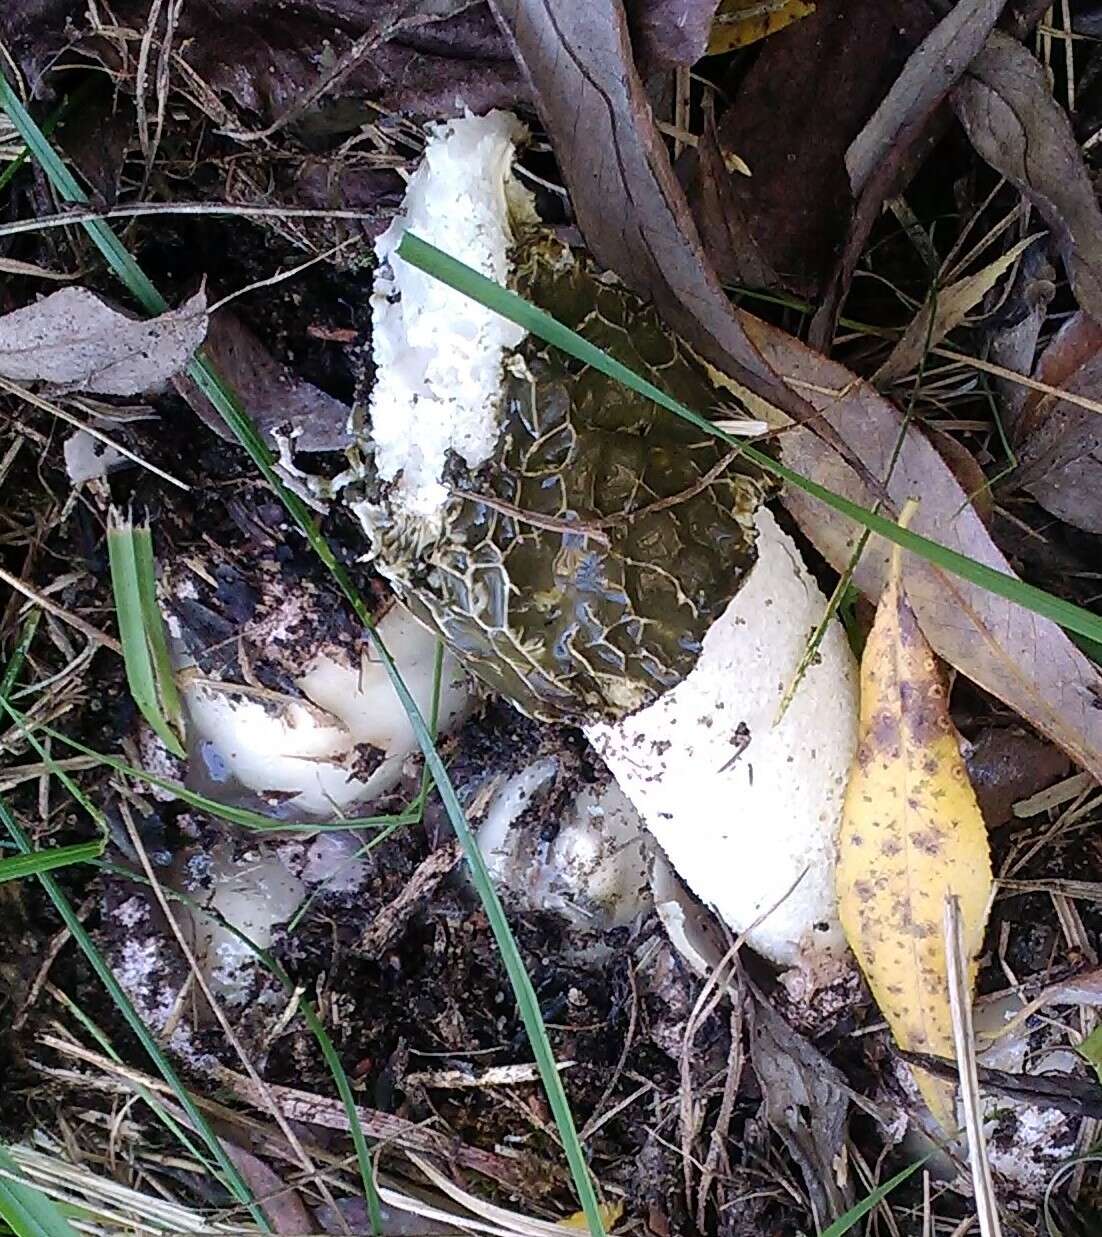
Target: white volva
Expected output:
[742,804]
[309,749]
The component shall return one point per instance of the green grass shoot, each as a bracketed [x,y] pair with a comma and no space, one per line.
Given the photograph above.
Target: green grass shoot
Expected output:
[19,867]
[142,629]
[845,1222]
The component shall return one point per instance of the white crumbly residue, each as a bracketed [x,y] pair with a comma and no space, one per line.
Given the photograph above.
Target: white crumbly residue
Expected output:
[438,355]
[131,912]
[743,805]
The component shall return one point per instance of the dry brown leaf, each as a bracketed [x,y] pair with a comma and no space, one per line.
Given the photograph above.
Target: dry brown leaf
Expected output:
[944,312]
[274,396]
[283,1208]
[800,104]
[727,229]
[911,836]
[1014,123]
[74,339]
[1024,660]
[738,23]
[629,206]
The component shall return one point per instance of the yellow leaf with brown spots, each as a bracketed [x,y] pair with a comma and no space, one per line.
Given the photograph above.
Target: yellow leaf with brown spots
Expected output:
[610,1215]
[911,834]
[738,23]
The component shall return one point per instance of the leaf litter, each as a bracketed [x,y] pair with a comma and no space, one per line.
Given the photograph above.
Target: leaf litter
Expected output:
[912,836]
[834,116]
[74,340]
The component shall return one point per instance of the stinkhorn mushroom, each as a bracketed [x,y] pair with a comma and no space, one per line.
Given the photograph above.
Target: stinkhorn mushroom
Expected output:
[597,560]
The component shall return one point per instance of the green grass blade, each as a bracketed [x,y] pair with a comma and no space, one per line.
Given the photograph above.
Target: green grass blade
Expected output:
[20,866]
[844,1223]
[140,675]
[26,1210]
[156,633]
[493,296]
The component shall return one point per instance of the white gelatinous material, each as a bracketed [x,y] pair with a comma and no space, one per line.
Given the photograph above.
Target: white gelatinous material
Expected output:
[87,458]
[593,871]
[740,804]
[438,354]
[255,894]
[315,750]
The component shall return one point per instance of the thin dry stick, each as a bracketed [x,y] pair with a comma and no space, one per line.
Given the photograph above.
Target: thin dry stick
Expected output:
[262,1088]
[281,276]
[964,1041]
[88,214]
[1000,371]
[149,151]
[674,500]
[93,633]
[717,1142]
[594,528]
[13,388]
[553,523]
[301,1106]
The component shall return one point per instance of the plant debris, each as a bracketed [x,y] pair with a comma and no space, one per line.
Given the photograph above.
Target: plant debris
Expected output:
[864,235]
[74,340]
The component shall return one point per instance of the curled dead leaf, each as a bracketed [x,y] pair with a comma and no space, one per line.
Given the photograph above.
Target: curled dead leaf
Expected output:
[911,836]
[1024,660]
[1011,118]
[945,311]
[75,339]
[1059,444]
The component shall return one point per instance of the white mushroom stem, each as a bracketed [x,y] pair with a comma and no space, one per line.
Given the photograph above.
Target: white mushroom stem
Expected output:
[747,807]
[593,870]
